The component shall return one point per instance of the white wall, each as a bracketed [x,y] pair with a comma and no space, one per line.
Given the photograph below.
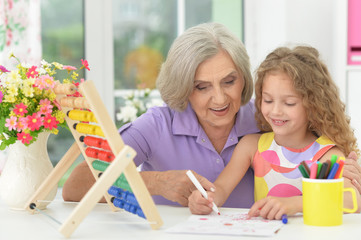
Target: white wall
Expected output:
[319,23]
[273,23]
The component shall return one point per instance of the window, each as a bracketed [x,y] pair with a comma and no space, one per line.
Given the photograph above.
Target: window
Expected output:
[62,41]
[125,41]
[143,31]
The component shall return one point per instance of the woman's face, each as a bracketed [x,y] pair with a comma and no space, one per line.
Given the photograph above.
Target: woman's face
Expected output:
[216,97]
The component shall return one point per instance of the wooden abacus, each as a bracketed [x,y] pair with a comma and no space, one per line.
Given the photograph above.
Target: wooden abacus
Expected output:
[97,138]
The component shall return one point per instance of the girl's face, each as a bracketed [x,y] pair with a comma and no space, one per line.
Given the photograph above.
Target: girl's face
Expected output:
[282,106]
[216,97]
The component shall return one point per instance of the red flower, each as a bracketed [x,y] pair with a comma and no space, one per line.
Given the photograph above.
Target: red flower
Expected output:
[24,137]
[32,72]
[34,122]
[50,122]
[85,64]
[20,109]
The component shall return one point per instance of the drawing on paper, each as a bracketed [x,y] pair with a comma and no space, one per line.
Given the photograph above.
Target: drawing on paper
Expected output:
[228,223]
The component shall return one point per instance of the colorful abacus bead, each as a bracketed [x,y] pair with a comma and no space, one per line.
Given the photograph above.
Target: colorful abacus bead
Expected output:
[121,182]
[91,152]
[93,141]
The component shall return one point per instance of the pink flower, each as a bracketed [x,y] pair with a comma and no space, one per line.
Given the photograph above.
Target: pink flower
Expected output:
[44,110]
[1,96]
[3,69]
[44,102]
[85,64]
[20,109]
[34,122]
[69,68]
[24,137]
[40,83]
[32,73]
[50,122]
[45,81]
[11,123]
[22,124]
[45,107]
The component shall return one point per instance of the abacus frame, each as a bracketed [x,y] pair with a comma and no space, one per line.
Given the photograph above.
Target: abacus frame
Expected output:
[123,163]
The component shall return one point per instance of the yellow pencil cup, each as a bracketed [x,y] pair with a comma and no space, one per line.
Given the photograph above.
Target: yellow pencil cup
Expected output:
[323,201]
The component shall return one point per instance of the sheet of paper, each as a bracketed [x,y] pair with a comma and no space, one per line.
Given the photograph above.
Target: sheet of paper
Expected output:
[228,223]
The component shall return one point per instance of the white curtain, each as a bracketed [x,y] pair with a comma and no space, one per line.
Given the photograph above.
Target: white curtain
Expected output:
[20,31]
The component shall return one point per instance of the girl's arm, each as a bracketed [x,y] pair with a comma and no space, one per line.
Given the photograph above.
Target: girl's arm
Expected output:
[231,175]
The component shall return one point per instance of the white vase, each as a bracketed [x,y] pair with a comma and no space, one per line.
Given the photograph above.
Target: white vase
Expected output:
[25,169]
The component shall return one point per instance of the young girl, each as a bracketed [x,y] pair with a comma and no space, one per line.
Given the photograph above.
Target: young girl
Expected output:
[299,108]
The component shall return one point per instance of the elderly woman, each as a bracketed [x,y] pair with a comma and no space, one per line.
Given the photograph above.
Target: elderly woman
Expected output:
[207,86]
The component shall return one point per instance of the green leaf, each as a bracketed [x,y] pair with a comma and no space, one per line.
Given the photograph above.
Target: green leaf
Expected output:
[2,146]
[2,124]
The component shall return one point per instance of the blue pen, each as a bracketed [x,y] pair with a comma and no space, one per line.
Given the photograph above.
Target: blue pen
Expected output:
[284,218]
[333,171]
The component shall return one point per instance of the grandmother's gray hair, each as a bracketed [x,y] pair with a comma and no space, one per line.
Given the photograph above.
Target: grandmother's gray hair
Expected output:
[175,81]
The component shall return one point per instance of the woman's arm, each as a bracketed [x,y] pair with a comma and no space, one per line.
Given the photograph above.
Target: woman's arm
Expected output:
[173,185]
[78,184]
[352,171]
[347,201]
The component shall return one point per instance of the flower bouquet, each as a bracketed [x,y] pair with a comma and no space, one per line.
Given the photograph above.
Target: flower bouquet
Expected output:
[28,105]
[135,104]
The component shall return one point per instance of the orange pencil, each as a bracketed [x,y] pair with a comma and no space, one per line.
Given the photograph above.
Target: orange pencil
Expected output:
[340,169]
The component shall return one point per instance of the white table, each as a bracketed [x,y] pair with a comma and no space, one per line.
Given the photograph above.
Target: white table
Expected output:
[101,223]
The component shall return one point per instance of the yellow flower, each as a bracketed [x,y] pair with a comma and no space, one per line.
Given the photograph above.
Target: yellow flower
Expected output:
[9,98]
[25,101]
[59,115]
[38,91]
[11,55]
[52,96]
[54,131]
[28,91]
[14,77]
[57,65]
[12,90]
[74,76]
[27,130]
[28,82]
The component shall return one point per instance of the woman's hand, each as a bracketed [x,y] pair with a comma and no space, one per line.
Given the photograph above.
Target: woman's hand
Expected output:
[199,205]
[352,170]
[173,185]
[275,207]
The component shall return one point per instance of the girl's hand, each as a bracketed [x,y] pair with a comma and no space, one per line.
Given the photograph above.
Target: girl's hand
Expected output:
[275,207]
[198,204]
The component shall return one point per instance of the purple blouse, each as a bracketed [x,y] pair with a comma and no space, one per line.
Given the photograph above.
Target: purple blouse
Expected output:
[165,139]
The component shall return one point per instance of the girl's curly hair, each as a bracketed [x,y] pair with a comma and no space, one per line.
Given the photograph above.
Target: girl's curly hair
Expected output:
[325,110]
